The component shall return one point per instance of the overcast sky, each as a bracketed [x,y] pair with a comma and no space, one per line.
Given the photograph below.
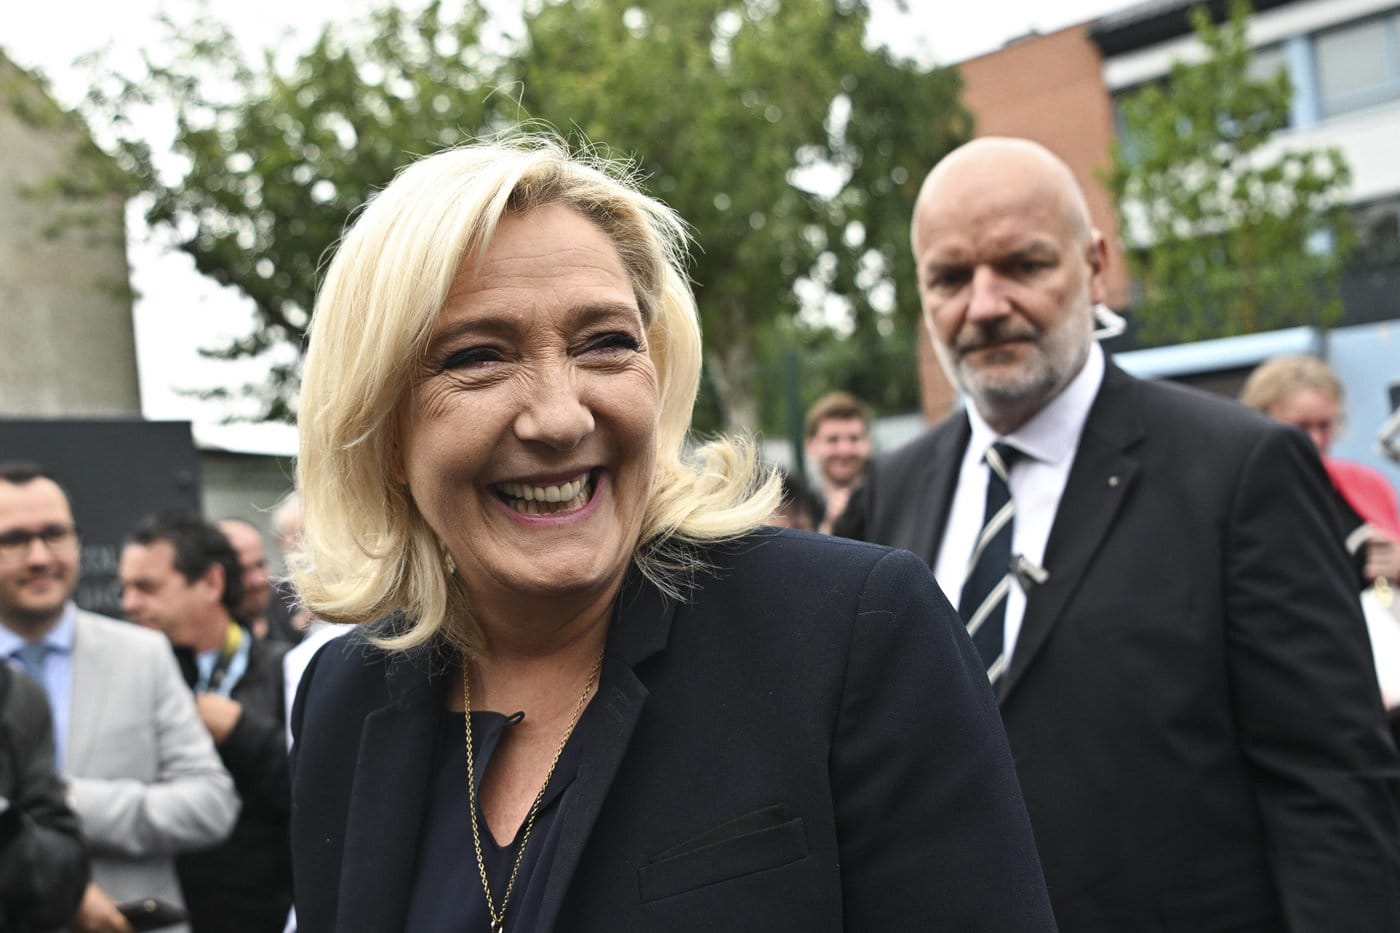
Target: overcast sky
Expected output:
[177,310]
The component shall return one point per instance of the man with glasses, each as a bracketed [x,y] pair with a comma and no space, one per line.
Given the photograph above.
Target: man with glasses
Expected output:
[141,770]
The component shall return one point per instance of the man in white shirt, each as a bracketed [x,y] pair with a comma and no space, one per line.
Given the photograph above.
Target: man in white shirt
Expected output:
[1156,582]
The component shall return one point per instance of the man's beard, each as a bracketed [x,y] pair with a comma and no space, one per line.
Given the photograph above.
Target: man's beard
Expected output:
[36,618]
[1050,359]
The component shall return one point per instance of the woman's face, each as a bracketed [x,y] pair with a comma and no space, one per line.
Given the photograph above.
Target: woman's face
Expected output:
[1315,412]
[528,439]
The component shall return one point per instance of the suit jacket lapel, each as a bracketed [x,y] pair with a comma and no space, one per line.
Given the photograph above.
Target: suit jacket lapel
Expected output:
[92,688]
[394,763]
[938,477]
[1099,481]
[640,628]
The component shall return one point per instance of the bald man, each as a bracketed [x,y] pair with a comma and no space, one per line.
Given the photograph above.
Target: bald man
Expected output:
[1155,581]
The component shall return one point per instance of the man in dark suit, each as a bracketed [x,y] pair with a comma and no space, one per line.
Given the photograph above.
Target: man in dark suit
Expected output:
[181,575]
[1170,626]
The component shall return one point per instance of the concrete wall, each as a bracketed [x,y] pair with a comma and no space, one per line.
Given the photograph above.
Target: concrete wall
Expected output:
[246,486]
[66,342]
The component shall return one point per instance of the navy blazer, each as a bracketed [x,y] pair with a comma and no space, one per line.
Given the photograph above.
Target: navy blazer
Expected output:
[825,686]
[1191,701]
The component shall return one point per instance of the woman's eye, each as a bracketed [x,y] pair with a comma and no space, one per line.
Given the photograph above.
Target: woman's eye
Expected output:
[470,357]
[612,342]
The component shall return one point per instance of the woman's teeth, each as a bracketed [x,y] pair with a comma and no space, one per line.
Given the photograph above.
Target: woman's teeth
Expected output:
[547,500]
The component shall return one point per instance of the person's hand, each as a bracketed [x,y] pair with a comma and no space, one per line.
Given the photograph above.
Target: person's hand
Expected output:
[98,914]
[1382,557]
[836,501]
[220,714]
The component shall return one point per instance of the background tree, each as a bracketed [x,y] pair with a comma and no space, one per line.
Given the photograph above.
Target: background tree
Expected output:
[1229,230]
[793,149]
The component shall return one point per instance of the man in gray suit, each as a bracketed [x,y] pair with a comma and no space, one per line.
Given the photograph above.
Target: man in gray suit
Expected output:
[141,770]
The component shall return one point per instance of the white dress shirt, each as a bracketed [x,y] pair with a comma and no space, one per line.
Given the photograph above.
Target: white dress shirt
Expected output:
[1047,444]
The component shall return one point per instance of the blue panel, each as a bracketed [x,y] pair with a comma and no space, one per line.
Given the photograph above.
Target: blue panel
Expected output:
[1367,358]
[1209,356]
[1306,109]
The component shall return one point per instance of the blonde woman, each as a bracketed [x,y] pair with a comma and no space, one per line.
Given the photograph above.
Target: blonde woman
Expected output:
[600,696]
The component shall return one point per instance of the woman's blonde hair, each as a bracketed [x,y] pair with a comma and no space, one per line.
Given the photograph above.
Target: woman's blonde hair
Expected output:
[368,550]
[1271,383]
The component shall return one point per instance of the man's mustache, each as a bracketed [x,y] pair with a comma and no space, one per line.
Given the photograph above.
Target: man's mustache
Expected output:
[980,336]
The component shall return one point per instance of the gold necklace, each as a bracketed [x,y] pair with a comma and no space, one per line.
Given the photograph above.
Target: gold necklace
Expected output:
[498,918]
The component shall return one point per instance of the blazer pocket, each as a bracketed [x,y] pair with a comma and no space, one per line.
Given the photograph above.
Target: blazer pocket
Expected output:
[729,851]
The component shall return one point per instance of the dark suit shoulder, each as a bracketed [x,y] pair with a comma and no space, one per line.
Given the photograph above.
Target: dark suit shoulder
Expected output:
[916,452]
[766,549]
[784,564]
[1207,413]
[265,659]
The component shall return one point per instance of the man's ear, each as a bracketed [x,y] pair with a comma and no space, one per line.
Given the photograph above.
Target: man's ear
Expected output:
[214,580]
[1096,255]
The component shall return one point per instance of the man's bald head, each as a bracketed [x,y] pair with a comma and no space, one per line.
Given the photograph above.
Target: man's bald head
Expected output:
[247,541]
[1011,163]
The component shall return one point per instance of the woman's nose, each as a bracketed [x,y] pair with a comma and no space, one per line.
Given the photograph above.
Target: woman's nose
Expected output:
[556,413]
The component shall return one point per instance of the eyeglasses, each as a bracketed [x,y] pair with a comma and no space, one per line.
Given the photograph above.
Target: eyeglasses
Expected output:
[61,540]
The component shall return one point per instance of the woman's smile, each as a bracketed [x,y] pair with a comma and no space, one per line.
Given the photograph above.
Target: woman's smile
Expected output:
[547,499]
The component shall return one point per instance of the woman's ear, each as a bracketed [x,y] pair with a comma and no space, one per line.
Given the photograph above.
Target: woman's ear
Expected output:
[396,465]
[396,469]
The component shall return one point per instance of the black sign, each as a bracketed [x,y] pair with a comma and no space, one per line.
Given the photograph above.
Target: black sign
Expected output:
[115,472]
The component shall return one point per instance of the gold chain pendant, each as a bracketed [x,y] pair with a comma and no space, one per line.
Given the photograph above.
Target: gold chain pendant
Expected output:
[498,918]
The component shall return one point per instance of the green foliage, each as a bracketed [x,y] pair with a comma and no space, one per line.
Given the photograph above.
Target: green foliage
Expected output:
[1234,232]
[730,110]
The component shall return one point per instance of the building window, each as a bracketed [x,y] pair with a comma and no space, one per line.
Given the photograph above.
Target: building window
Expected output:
[1358,64]
[1377,228]
[1267,61]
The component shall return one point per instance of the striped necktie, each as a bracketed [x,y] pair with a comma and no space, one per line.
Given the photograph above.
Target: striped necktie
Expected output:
[983,601]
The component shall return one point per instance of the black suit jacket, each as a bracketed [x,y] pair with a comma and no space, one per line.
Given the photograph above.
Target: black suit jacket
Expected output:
[824,686]
[1191,701]
[244,885]
[43,867]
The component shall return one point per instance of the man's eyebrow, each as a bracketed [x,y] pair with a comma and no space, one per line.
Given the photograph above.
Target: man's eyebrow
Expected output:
[943,265]
[1031,249]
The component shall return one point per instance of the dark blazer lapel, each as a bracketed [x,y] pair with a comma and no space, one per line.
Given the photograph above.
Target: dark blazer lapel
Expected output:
[936,478]
[394,762]
[1098,483]
[640,627]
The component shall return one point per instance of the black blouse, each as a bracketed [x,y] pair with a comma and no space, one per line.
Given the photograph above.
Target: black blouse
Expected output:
[447,895]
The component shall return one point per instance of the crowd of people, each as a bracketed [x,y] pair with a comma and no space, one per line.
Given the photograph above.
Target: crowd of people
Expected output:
[1093,653]
[160,796]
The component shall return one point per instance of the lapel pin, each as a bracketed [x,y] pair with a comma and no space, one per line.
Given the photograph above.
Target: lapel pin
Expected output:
[1113,481]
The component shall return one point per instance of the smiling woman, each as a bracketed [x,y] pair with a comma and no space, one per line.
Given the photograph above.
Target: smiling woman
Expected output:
[590,691]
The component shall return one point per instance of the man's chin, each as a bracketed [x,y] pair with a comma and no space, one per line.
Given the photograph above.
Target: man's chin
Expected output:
[38,615]
[996,388]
